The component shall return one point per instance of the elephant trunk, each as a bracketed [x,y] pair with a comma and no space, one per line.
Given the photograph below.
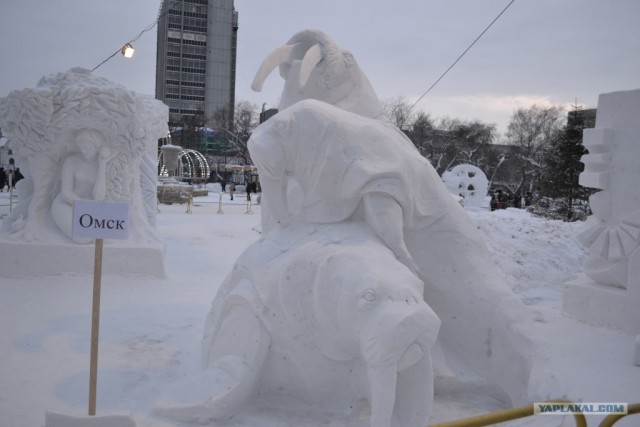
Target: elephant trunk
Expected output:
[397,337]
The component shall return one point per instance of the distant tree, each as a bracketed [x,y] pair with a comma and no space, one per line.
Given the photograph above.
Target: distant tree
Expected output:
[399,112]
[221,119]
[504,167]
[457,141]
[531,130]
[472,140]
[245,120]
[238,130]
[441,148]
[561,169]
[186,132]
[421,132]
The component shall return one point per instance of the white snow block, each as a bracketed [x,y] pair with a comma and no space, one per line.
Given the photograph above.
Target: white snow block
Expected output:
[53,419]
[55,259]
[597,140]
[594,179]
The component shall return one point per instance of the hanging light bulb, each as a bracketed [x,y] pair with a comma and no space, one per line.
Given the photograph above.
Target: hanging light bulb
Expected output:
[128,50]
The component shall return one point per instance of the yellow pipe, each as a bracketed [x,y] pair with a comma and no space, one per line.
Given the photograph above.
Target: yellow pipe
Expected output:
[506,415]
[613,418]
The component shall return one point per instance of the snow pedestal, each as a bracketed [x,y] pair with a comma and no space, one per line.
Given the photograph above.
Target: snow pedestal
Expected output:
[53,419]
[29,260]
[608,293]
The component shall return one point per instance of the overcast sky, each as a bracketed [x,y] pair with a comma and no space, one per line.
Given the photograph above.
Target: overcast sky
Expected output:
[539,51]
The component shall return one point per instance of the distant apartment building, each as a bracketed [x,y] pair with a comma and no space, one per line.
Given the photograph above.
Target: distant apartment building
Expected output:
[196,58]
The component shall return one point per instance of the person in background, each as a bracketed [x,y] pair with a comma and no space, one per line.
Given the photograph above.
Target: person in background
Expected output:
[232,188]
[528,198]
[17,176]
[494,202]
[3,178]
[248,188]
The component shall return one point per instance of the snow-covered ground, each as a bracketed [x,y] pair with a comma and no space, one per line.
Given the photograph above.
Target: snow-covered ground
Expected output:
[151,328]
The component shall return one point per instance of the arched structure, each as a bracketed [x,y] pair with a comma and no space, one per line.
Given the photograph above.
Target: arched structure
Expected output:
[191,165]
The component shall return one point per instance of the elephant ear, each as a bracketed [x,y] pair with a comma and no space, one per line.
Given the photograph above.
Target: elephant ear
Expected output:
[299,296]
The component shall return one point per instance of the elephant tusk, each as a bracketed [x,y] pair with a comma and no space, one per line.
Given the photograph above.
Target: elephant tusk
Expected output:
[311,59]
[279,56]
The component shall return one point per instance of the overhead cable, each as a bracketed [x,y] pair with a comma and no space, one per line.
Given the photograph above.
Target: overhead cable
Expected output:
[463,53]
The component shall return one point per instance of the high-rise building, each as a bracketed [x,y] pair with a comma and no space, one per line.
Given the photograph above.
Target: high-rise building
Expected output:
[196,58]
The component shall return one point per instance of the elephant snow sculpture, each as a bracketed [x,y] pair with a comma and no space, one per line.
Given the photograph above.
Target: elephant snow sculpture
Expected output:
[367,266]
[331,321]
[321,308]
[484,337]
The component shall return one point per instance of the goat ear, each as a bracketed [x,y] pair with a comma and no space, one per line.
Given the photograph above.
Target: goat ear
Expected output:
[309,62]
[279,56]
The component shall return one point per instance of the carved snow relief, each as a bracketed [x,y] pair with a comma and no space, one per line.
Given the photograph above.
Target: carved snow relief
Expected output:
[80,136]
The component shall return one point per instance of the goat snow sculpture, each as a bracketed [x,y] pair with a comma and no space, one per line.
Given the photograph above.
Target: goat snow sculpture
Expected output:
[360,234]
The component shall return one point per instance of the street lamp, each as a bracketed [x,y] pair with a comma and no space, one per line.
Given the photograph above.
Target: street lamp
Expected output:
[127,50]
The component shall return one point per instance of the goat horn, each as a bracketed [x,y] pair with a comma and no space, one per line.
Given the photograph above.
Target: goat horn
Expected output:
[279,56]
[311,59]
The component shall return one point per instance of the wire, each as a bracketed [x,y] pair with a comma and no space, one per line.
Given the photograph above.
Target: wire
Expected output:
[149,28]
[463,53]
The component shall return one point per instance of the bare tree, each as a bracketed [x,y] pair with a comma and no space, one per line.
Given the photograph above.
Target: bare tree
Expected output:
[246,118]
[532,130]
[472,139]
[235,132]
[421,133]
[399,112]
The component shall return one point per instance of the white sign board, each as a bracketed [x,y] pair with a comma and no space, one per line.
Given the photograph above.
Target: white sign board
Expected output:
[100,220]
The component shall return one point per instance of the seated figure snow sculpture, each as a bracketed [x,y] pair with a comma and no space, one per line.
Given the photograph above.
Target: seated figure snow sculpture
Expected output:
[83,177]
[77,135]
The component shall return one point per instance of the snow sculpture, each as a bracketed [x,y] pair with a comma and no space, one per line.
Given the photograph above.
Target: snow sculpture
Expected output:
[361,241]
[83,177]
[305,317]
[314,67]
[80,136]
[609,295]
[171,158]
[468,182]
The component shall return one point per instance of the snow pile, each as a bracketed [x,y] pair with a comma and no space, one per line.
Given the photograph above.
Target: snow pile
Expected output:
[532,253]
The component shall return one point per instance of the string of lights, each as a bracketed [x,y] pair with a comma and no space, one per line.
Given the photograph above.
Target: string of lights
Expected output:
[127,49]
[463,53]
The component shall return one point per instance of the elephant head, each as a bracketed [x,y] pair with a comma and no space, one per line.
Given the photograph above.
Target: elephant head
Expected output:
[371,307]
[315,67]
